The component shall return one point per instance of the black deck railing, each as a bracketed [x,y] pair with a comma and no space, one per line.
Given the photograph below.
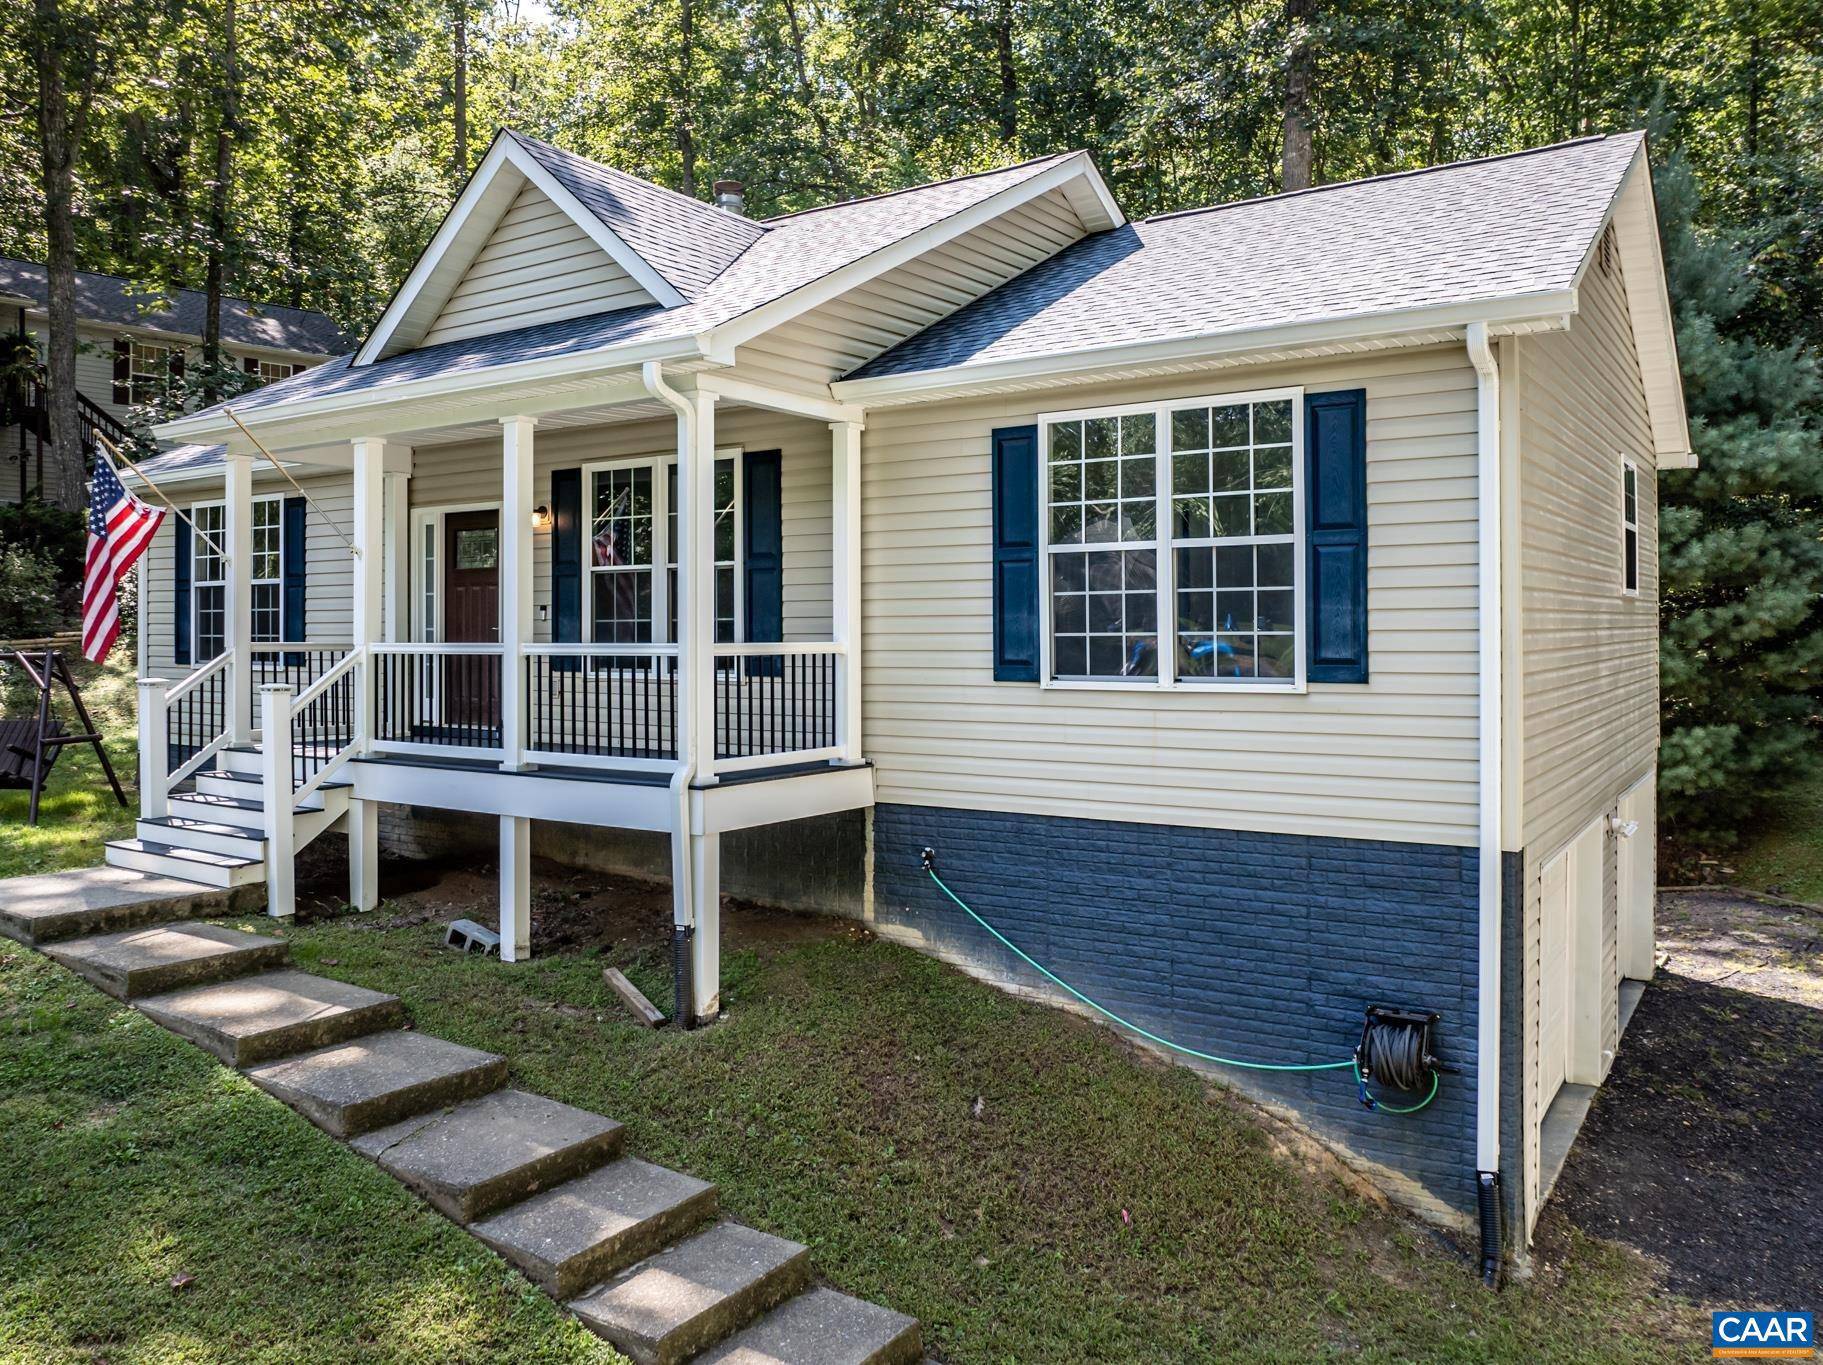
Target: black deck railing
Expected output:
[774,704]
[323,726]
[450,700]
[602,705]
[196,719]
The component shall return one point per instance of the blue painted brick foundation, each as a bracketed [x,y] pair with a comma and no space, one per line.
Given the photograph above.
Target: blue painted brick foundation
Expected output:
[1260,946]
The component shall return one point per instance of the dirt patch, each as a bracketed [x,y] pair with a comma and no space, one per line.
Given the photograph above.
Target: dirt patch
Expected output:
[1701,1150]
[572,910]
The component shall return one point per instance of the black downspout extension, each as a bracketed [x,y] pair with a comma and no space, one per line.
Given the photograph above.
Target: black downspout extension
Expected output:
[683,989]
[1487,1201]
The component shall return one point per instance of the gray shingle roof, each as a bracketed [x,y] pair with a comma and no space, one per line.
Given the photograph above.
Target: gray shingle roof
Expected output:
[108,299]
[786,254]
[1492,228]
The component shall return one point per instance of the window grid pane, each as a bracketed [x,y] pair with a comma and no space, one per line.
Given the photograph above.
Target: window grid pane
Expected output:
[1104,614]
[726,550]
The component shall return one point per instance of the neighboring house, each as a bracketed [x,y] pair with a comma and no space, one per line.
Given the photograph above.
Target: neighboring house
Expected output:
[770,553]
[130,344]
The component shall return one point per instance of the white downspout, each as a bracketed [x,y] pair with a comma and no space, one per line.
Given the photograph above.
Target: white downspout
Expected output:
[682,899]
[1488,630]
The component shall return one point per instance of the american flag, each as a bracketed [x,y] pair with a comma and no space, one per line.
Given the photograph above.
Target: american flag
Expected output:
[120,528]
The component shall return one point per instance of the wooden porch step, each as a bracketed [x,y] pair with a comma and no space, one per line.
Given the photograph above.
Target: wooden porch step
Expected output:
[192,864]
[481,1156]
[142,962]
[275,1014]
[584,1230]
[669,1308]
[352,1088]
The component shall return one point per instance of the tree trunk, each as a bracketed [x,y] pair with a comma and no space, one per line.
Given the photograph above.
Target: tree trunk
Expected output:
[459,163]
[686,133]
[1300,61]
[220,193]
[1009,75]
[59,141]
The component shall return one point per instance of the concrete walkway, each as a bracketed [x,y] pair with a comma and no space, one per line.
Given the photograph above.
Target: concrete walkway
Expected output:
[636,1251]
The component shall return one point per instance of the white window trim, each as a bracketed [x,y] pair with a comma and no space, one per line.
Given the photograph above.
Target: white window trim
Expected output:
[1166,571]
[197,583]
[660,462]
[422,517]
[1628,465]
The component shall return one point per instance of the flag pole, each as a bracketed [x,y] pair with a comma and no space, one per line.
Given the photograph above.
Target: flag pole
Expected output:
[234,417]
[140,474]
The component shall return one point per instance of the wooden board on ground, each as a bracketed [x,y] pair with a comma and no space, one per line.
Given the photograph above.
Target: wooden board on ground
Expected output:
[633,998]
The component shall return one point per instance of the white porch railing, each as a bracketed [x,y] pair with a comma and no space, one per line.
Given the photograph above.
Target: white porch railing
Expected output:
[605,706]
[296,663]
[306,738]
[776,703]
[437,699]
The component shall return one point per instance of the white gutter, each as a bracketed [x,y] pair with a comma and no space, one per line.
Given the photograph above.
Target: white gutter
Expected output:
[683,900]
[1488,629]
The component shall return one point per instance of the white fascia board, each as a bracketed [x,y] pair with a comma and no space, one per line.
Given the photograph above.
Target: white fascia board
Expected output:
[1634,214]
[1538,311]
[214,429]
[757,321]
[755,395]
[503,157]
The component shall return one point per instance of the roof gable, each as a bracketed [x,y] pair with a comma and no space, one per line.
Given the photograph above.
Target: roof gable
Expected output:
[490,195]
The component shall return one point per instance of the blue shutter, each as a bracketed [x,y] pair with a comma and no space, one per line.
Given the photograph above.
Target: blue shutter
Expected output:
[180,592]
[1335,500]
[763,557]
[1016,577]
[566,564]
[293,547]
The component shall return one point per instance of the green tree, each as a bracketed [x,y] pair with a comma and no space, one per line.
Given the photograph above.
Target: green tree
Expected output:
[1741,542]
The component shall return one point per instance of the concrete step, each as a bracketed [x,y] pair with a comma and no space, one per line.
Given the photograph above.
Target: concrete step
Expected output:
[822,1327]
[191,864]
[275,1014]
[103,900]
[183,831]
[669,1308]
[142,962]
[585,1229]
[479,1157]
[351,1088]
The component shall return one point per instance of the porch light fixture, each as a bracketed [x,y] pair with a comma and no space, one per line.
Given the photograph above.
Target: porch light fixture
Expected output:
[541,518]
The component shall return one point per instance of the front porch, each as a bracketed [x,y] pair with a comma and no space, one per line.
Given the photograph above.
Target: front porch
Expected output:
[602,613]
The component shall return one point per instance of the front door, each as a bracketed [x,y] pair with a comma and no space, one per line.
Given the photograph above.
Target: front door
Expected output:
[471,615]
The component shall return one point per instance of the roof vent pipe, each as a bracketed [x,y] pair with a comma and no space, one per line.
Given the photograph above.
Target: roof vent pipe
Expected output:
[728,195]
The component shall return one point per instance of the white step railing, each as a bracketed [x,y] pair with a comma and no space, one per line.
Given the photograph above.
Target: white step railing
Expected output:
[181,727]
[306,738]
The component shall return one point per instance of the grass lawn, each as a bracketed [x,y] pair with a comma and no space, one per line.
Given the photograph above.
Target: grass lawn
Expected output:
[1788,854]
[1016,1177]
[78,812]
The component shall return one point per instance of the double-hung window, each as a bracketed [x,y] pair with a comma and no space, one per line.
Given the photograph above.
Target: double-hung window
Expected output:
[633,533]
[209,574]
[1173,537]
[148,372]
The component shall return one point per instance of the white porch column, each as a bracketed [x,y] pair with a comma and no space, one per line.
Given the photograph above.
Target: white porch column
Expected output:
[515,888]
[397,573]
[369,562]
[845,517]
[696,581]
[706,945]
[275,790]
[515,587]
[237,615]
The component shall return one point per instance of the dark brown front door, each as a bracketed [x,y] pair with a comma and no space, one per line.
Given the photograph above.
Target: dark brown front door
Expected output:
[471,615]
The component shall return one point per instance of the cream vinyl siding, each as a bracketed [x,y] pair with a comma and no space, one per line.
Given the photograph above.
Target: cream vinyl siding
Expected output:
[537,266]
[829,341]
[1393,759]
[470,473]
[1589,652]
[328,568]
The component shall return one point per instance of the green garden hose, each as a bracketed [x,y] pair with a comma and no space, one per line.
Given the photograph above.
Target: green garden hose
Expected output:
[1099,1008]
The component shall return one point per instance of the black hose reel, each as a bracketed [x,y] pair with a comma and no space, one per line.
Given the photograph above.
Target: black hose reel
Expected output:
[1397,1051]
